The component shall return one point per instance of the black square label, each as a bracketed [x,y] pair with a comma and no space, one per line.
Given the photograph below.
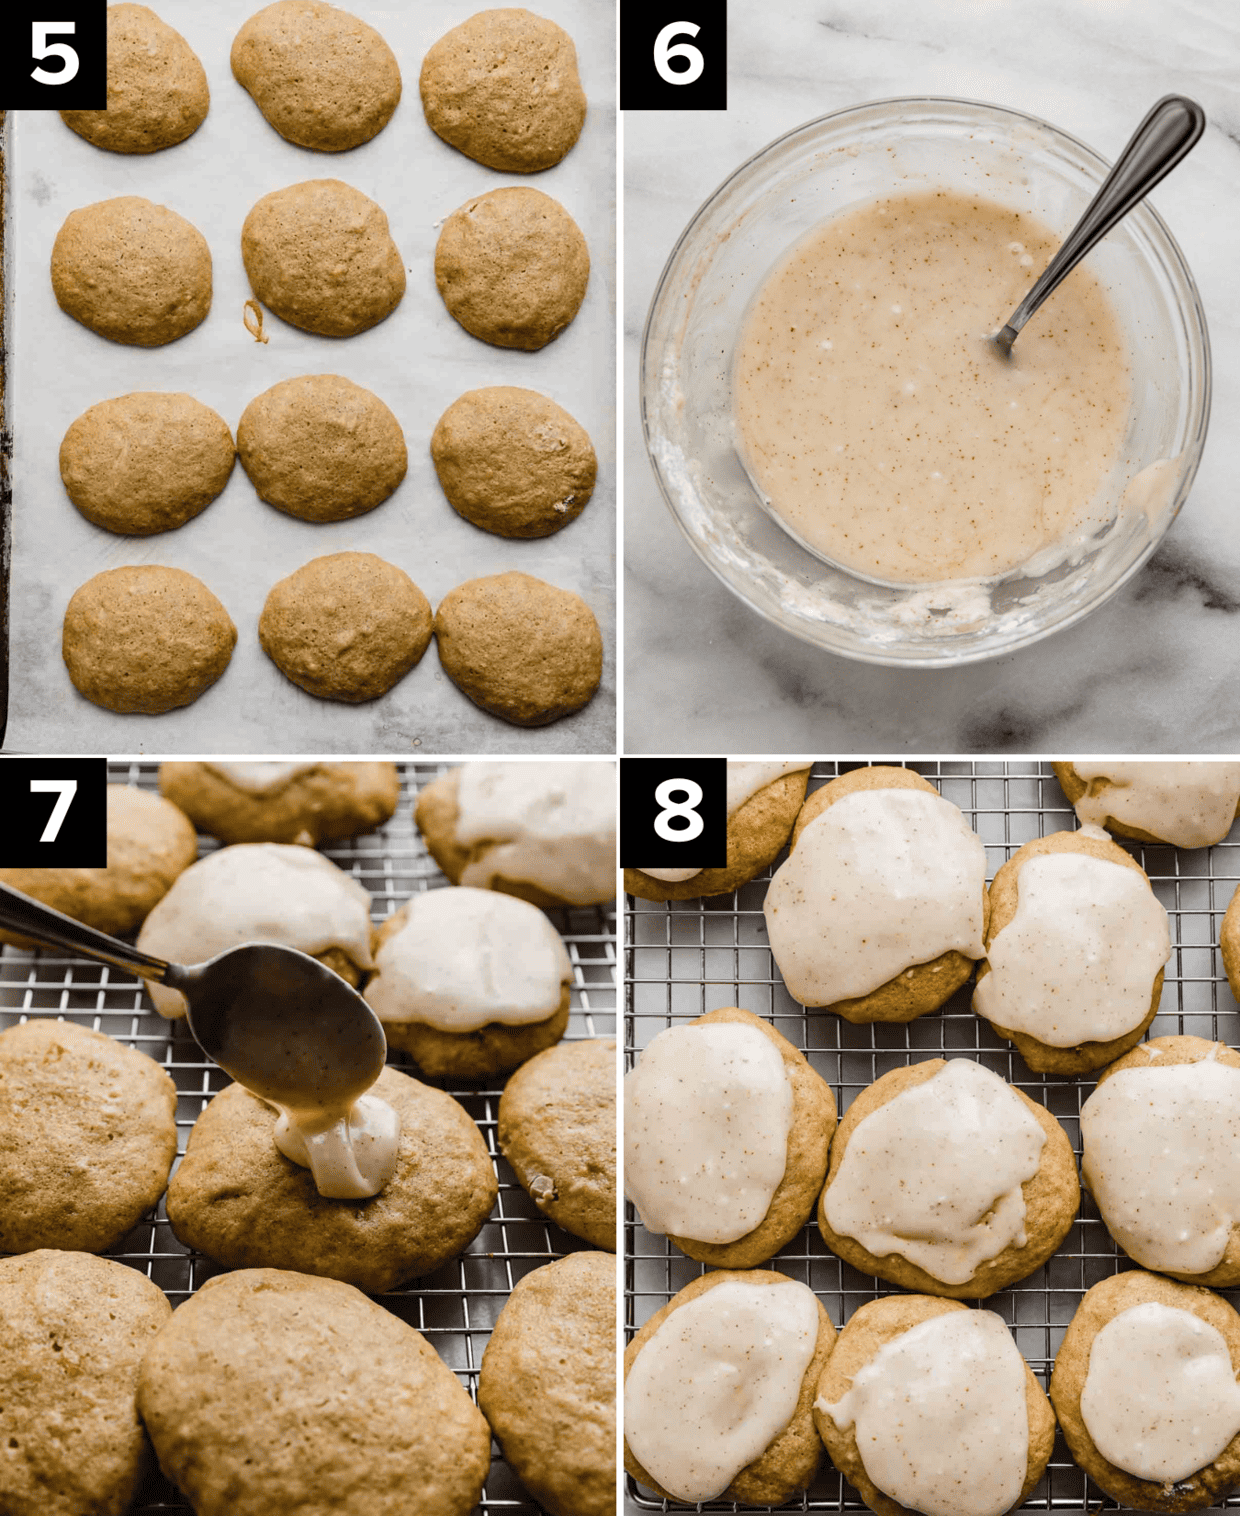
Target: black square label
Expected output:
[673,813]
[55,812]
[54,55]
[673,56]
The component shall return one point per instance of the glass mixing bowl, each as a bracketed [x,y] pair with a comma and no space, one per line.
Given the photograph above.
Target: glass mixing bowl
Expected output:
[723,258]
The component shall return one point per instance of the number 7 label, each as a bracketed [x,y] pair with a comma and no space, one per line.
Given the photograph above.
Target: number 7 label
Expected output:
[55,812]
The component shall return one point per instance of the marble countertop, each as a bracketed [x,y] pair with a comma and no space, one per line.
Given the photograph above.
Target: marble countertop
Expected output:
[1153,670]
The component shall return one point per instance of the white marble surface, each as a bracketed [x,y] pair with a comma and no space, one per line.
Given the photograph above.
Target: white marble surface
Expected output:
[1156,668]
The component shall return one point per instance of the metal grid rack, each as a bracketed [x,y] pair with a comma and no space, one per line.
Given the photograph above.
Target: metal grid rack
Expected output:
[456,1306]
[685,958]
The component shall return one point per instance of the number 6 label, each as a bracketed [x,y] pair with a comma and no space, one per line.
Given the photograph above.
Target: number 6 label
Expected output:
[674,56]
[664,52]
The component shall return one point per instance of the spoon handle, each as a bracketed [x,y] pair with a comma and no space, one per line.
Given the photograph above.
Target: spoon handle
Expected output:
[1166,135]
[31,918]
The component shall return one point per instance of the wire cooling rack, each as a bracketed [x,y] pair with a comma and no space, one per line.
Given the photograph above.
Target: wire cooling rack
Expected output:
[455,1307]
[685,958]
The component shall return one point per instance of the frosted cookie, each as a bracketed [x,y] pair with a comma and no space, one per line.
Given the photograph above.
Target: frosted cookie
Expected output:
[1187,804]
[1076,944]
[880,910]
[321,448]
[550,1364]
[513,462]
[145,639]
[319,254]
[347,627]
[545,831]
[519,647]
[557,1128]
[763,800]
[157,89]
[132,271]
[73,1329]
[260,892]
[1160,1153]
[719,1390]
[726,1133]
[928,1406]
[146,462]
[512,267]
[87,1136]
[307,803]
[321,77]
[270,1391]
[947,1180]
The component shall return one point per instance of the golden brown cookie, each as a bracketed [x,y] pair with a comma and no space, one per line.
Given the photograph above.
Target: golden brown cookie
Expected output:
[345,627]
[519,647]
[319,254]
[145,638]
[512,267]
[1098,789]
[309,803]
[321,448]
[321,77]
[503,89]
[146,462]
[87,1136]
[1229,944]
[513,462]
[132,271]
[270,1391]
[73,1329]
[548,1384]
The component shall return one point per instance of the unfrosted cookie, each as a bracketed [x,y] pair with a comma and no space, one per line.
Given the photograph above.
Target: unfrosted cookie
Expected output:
[513,462]
[1229,944]
[87,1136]
[271,1391]
[512,267]
[308,803]
[557,1128]
[145,638]
[550,1366]
[73,1329]
[345,627]
[157,89]
[1186,802]
[321,447]
[319,254]
[132,271]
[146,462]
[519,647]
[322,77]
[503,88]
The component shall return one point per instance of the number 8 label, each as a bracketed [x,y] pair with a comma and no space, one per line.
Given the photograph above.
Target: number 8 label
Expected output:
[685,808]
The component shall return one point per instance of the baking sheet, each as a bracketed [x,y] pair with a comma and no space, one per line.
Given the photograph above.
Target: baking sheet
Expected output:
[417,361]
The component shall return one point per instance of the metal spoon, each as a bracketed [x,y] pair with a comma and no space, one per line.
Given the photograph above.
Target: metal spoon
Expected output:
[1166,135]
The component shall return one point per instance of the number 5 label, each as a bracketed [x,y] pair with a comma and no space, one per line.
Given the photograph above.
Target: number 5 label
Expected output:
[42,48]
[55,812]
[674,55]
[54,55]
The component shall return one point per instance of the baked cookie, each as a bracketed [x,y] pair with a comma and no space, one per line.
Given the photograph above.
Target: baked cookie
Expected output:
[1160,1153]
[1229,944]
[503,89]
[512,267]
[260,892]
[773,1352]
[132,271]
[513,462]
[924,1399]
[239,1200]
[345,627]
[880,910]
[958,1183]
[321,448]
[729,1194]
[73,1329]
[545,831]
[87,1136]
[270,1391]
[145,638]
[146,462]
[550,1364]
[519,647]
[321,77]
[157,88]
[1145,1390]
[1076,944]
[1189,803]
[557,1128]
[307,803]
[319,254]
[763,800]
